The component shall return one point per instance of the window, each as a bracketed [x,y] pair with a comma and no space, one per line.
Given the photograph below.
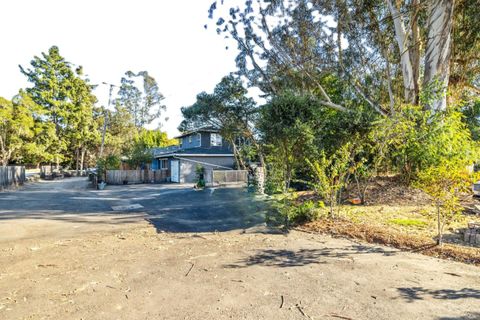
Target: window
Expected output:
[190,138]
[163,164]
[199,137]
[215,140]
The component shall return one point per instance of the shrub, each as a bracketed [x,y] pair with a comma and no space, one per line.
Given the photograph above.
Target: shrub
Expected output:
[200,175]
[445,183]
[329,174]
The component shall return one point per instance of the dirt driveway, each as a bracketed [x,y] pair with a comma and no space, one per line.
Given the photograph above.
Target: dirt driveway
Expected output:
[68,255]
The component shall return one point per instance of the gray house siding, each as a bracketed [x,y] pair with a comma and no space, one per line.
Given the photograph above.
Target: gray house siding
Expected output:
[187,168]
[206,139]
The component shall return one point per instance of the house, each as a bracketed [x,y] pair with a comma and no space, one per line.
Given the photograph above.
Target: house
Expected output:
[204,147]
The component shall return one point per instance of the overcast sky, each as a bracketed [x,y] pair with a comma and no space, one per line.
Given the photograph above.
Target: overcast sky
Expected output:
[109,37]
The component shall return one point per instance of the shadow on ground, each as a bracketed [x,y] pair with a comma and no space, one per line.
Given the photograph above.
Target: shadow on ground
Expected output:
[418,293]
[303,257]
[468,316]
[208,210]
[167,207]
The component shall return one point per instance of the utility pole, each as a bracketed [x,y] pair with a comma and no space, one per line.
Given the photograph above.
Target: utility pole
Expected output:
[106,119]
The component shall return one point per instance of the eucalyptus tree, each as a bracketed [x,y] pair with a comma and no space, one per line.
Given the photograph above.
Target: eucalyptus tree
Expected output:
[144,105]
[379,48]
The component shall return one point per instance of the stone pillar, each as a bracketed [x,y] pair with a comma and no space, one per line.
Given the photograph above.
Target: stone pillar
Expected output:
[259,174]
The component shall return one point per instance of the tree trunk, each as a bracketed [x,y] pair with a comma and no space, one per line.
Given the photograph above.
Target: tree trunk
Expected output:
[237,156]
[439,227]
[77,158]
[82,159]
[437,52]
[415,48]
[405,61]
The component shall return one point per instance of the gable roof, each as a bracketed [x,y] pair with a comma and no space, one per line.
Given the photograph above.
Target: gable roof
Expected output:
[199,152]
[202,129]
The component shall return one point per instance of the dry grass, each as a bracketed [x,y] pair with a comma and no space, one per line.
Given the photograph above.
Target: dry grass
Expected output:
[401,217]
[400,240]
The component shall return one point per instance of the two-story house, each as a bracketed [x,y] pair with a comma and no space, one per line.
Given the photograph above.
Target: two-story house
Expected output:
[203,147]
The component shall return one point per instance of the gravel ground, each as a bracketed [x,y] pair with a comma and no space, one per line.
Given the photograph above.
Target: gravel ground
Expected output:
[81,264]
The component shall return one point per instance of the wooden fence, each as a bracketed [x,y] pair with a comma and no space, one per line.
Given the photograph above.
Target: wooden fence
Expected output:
[136,176]
[11,176]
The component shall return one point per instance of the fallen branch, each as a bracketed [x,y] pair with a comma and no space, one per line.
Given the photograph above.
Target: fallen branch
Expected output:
[334,315]
[191,267]
[301,311]
[281,304]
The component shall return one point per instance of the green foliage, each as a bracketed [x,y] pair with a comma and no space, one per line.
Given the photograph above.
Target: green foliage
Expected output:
[415,139]
[64,122]
[408,222]
[200,176]
[444,183]
[110,162]
[287,210]
[229,110]
[329,174]
[286,124]
[139,152]
[16,130]
[471,112]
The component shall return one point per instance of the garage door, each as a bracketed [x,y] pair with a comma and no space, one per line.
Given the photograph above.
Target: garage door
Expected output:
[175,171]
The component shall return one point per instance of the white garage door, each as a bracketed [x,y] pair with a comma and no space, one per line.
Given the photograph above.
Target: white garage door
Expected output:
[175,171]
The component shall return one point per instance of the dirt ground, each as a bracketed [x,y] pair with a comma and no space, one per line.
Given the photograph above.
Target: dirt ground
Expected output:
[120,266]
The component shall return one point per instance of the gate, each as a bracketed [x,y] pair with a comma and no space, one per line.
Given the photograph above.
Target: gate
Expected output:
[175,171]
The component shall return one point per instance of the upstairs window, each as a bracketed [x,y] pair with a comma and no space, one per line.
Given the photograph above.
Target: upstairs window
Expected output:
[215,140]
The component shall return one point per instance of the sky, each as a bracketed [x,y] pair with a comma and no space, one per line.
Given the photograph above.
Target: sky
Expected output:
[109,37]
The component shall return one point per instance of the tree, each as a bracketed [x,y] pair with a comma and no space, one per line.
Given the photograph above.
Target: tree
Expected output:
[144,106]
[287,125]
[296,42]
[66,102]
[16,129]
[82,130]
[140,151]
[329,174]
[230,110]
[52,76]
[445,183]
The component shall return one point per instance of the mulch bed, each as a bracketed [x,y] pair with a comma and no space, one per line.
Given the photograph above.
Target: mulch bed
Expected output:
[388,237]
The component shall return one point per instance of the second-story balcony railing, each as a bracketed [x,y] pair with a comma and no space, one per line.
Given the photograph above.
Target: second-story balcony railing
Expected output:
[164,150]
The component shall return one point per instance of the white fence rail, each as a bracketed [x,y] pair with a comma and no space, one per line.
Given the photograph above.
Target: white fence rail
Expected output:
[226,177]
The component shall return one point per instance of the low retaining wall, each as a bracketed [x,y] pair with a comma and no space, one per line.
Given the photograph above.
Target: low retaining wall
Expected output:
[11,176]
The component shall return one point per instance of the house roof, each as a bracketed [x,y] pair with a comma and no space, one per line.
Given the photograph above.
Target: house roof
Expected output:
[199,152]
[202,129]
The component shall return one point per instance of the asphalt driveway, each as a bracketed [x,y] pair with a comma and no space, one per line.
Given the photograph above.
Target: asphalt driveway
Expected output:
[169,207]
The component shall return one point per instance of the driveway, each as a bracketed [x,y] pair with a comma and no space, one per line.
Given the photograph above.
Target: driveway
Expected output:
[153,252]
[168,207]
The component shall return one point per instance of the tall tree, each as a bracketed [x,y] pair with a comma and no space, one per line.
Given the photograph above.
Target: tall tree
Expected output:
[144,106]
[298,42]
[82,130]
[67,101]
[52,76]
